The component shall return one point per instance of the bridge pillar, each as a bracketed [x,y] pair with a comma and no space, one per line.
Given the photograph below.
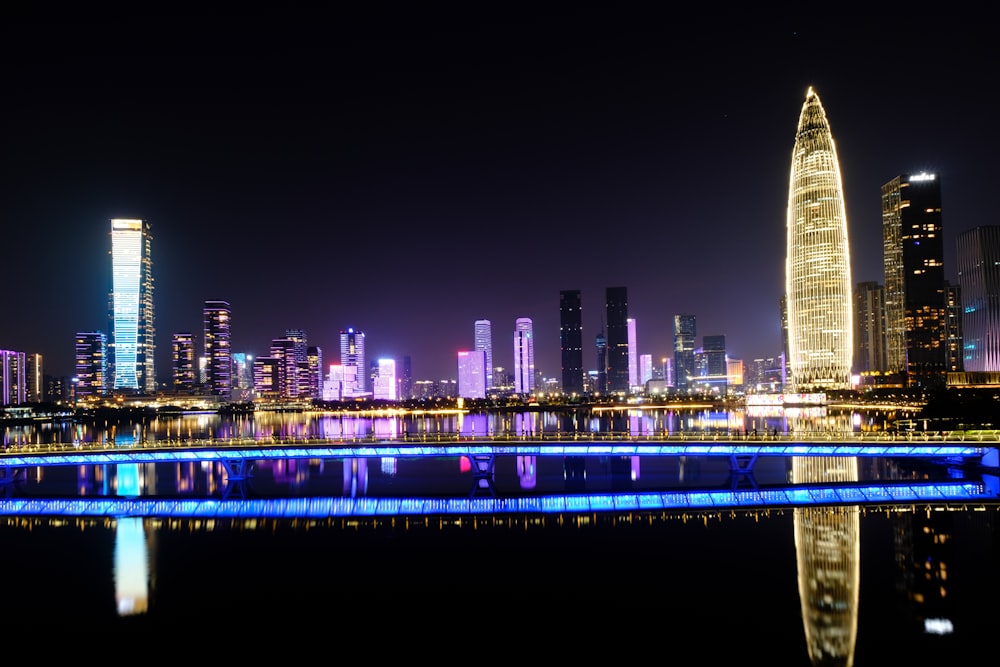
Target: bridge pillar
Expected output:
[237,470]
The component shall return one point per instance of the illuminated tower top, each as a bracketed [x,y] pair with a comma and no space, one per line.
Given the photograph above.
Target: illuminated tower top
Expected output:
[817,265]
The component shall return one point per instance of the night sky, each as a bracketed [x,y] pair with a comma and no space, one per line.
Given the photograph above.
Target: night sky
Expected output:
[406,175]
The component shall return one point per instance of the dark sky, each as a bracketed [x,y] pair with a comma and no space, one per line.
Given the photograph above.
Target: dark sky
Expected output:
[407,175]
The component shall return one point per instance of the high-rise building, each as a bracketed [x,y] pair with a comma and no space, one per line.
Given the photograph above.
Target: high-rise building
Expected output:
[633,355]
[472,373]
[34,378]
[384,384]
[571,341]
[954,333]
[978,264]
[716,375]
[314,372]
[182,362]
[406,379]
[869,332]
[915,310]
[283,350]
[601,376]
[91,365]
[11,377]
[685,333]
[645,369]
[133,334]
[524,356]
[484,342]
[352,354]
[217,343]
[616,312]
[818,261]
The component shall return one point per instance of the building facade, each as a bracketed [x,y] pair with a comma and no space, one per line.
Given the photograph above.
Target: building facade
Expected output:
[133,334]
[978,264]
[483,335]
[182,362]
[916,320]
[352,358]
[91,366]
[818,260]
[869,328]
[218,349]
[571,341]
[616,314]
[524,356]
[472,373]
[685,333]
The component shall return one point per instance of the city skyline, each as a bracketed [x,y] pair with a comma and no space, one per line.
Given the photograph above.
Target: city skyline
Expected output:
[407,183]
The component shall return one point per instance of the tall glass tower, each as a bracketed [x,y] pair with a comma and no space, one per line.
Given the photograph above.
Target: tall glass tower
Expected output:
[685,334]
[916,320]
[524,356]
[818,260]
[978,258]
[352,354]
[484,342]
[132,332]
[218,347]
[616,311]
[571,341]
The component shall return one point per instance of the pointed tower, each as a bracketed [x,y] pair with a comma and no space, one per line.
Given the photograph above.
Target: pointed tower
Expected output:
[817,264]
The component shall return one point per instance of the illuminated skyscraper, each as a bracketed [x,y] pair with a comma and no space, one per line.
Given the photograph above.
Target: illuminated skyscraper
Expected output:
[218,348]
[484,342]
[978,259]
[616,311]
[633,355]
[869,334]
[916,320]
[601,375]
[385,381]
[352,358]
[818,262]
[524,356]
[133,334]
[472,373]
[11,377]
[91,365]
[571,341]
[685,333]
[182,358]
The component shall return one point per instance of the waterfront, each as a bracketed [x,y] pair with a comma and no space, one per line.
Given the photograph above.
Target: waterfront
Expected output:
[903,582]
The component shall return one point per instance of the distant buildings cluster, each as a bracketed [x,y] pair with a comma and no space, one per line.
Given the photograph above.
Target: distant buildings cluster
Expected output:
[915,330]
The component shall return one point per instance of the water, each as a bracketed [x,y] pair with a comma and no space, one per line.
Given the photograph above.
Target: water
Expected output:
[910,584]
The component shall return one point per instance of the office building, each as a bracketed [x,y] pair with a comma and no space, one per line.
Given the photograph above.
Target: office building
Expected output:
[600,377]
[384,383]
[352,355]
[472,373]
[633,356]
[818,260]
[91,366]
[34,378]
[406,379]
[484,342]
[12,380]
[685,333]
[571,341]
[182,362]
[218,351]
[314,372]
[978,264]
[915,305]
[869,332]
[133,334]
[616,312]
[524,356]
[954,332]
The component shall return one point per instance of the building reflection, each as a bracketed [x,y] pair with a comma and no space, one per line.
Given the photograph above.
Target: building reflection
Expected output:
[828,560]
[131,568]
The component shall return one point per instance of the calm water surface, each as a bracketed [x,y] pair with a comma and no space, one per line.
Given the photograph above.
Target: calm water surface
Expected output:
[908,585]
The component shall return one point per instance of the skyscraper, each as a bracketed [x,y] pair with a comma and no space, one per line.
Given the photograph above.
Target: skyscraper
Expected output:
[352,358]
[978,264]
[869,335]
[818,261]
[524,356]
[616,311]
[571,341]
[133,335]
[472,373]
[633,355]
[11,377]
[685,333]
[601,379]
[218,348]
[484,342]
[91,364]
[915,315]
[182,360]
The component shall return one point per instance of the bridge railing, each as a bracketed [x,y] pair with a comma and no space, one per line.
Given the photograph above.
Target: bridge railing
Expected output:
[805,437]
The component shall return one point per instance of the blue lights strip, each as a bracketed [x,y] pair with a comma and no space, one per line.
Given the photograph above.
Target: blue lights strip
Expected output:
[172,455]
[324,507]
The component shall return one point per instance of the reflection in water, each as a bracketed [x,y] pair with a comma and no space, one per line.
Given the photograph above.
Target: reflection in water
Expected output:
[527,471]
[131,559]
[828,556]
